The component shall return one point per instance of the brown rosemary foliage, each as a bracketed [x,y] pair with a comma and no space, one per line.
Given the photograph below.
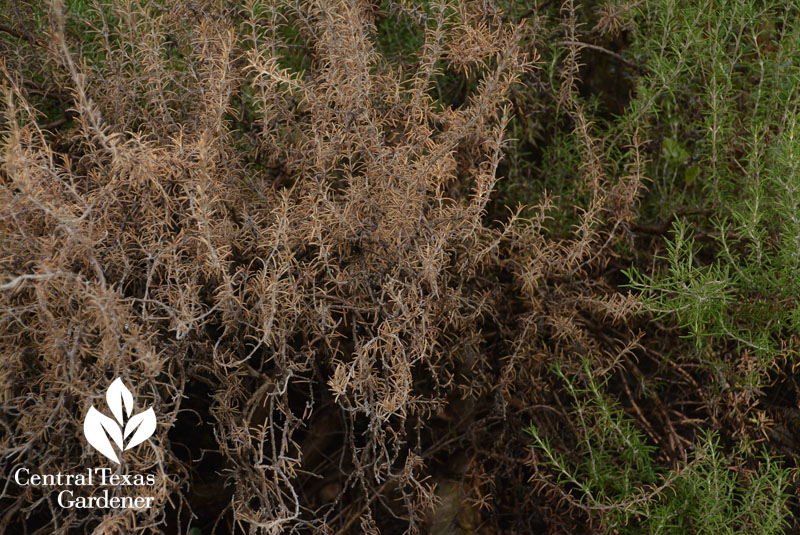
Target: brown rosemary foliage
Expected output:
[280,235]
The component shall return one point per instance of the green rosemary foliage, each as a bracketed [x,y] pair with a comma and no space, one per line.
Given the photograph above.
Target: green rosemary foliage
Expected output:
[720,97]
[614,476]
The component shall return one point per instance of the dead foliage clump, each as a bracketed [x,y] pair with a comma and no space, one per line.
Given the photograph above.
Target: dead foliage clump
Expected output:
[281,239]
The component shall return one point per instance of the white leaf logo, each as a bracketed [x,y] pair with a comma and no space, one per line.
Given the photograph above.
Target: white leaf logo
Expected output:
[99,428]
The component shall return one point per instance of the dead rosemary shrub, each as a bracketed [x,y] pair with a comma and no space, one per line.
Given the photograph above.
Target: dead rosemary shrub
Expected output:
[300,256]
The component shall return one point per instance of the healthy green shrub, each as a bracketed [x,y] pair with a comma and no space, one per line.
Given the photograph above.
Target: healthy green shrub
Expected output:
[720,97]
[613,474]
[713,91]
